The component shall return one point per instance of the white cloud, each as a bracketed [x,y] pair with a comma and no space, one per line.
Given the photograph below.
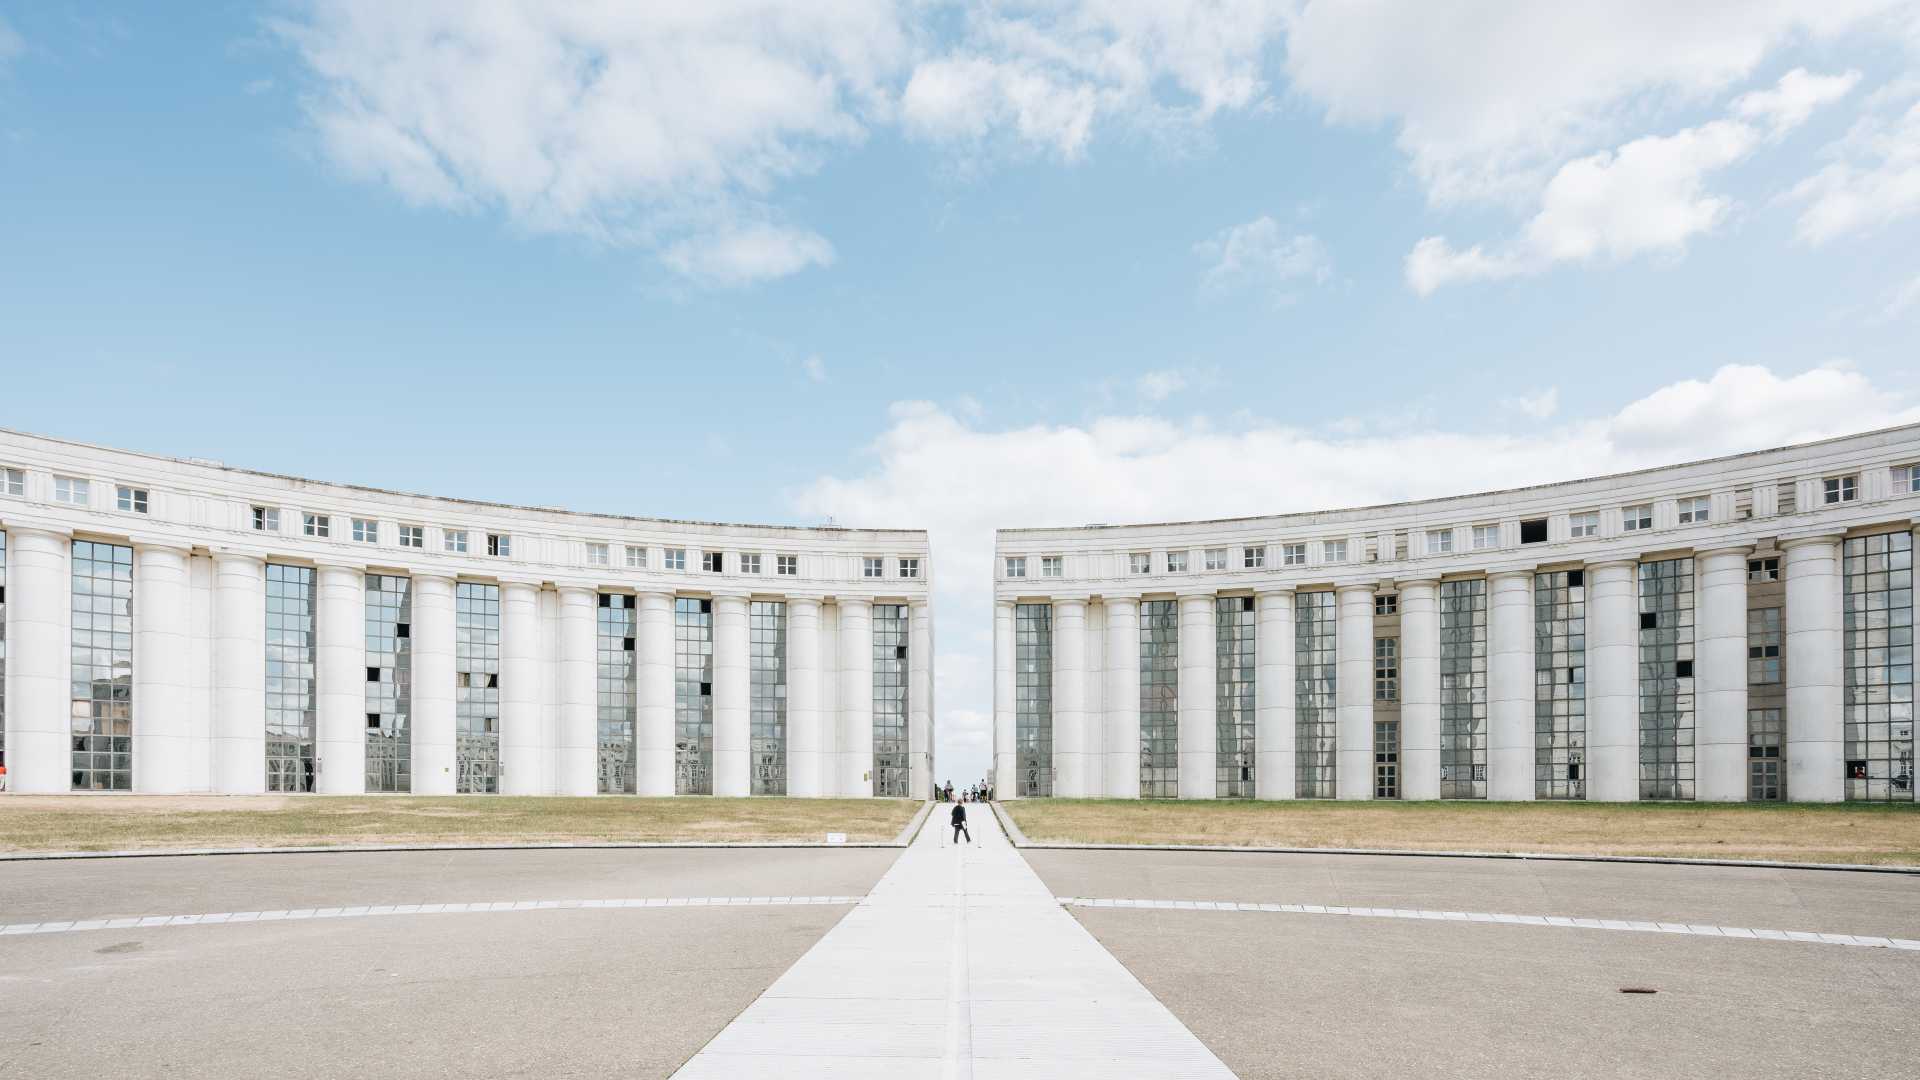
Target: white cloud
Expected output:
[1875,182]
[1540,406]
[1261,256]
[656,125]
[815,368]
[1160,385]
[933,467]
[1489,96]
[1789,104]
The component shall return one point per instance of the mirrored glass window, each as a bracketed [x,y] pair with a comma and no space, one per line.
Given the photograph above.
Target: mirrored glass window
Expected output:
[1160,698]
[102,661]
[1314,717]
[290,678]
[614,675]
[389,608]
[1233,696]
[1766,745]
[692,696]
[1666,679]
[1386,669]
[476,688]
[1033,699]
[1763,645]
[1560,685]
[767,642]
[1463,689]
[1878,702]
[890,700]
[3,650]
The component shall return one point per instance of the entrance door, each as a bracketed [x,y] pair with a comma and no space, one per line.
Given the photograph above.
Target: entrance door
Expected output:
[1386,759]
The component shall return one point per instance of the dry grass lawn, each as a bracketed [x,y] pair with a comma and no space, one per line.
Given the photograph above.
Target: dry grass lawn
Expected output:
[127,822]
[1847,833]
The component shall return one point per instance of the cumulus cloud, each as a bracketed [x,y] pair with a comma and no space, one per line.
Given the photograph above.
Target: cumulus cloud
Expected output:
[934,466]
[1261,256]
[743,254]
[1789,104]
[1874,182]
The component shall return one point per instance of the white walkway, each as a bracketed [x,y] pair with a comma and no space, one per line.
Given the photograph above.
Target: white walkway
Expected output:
[960,965]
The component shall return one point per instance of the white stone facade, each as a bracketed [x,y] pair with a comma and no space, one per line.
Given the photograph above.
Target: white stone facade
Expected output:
[239,643]
[1723,630]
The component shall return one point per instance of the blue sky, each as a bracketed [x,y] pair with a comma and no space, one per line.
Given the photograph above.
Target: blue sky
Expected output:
[952,266]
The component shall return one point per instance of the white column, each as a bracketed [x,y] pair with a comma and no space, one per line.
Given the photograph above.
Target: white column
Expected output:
[1510,679]
[1353,777]
[1815,724]
[1005,777]
[653,715]
[1613,682]
[1273,695]
[576,766]
[162,637]
[1069,698]
[547,653]
[432,720]
[804,760]
[856,697]
[1122,698]
[520,735]
[239,675]
[39,637]
[1198,737]
[340,697]
[1720,677]
[919,699]
[1419,690]
[732,767]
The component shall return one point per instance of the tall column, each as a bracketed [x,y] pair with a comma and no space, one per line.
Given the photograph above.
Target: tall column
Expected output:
[804,759]
[1815,714]
[1419,690]
[340,697]
[520,772]
[1199,740]
[1720,677]
[1353,777]
[39,639]
[576,767]
[1122,697]
[432,721]
[732,765]
[1510,679]
[920,699]
[162,637]
[1273,695]
[856,697]
[1005,777]
[1613,682]
[1069,698]
[239,674]
[653,714]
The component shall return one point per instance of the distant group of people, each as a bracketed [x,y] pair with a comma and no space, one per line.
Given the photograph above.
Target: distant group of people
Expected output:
[973,793]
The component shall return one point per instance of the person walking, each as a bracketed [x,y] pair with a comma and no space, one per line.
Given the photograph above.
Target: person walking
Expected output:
[960,823]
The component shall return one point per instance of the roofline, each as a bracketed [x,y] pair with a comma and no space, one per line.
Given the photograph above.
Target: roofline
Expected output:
[1470,495]
[223,467]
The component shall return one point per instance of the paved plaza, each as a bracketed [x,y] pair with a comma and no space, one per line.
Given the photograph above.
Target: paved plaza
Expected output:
[941,961]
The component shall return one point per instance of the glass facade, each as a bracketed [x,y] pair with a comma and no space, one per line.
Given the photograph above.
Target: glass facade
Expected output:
[1159,699]
[767,645]
[3,650]
[102,659]
[1766,742]
[615,698]
[291,705]
[890,700]
[1314,705]
[476,688]
[692,697]
[1234,639]
[1033,699]
[1386,759]
[1386,669]
[1560,685]
[1879,657]
[1666,679]
[1463,689]
[389,607]
[1763,646]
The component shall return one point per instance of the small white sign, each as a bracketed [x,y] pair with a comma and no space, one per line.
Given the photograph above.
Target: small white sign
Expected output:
[836,838]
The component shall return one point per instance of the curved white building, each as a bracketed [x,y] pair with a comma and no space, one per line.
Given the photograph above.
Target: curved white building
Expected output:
[179,626]
[1733,629]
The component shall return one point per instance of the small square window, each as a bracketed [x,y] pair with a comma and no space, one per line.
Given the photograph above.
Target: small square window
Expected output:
[318,526]
[266,519]
[787,565]
[636,557]
[366,531]
[1176,562]
[1649,620]
[1253,558]
[1386,604]
[1440,543]
[1293,555]
[1216,558]
[132,500]
[500,545]
[1906,479]
[872,567]
[1334,551]
[71,490]
[413,536]
[1051,566]
[454,541]
[1683,669]
[909,568]
[1697,510]
[713,562]
[1016,567]
[674,559]
[1140,562]
[1636,518]
[1533,531]
[1583,525]
[1840,489]
[597,555]
[1486,537]
[13,482]
[749,564]
[1763,570]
